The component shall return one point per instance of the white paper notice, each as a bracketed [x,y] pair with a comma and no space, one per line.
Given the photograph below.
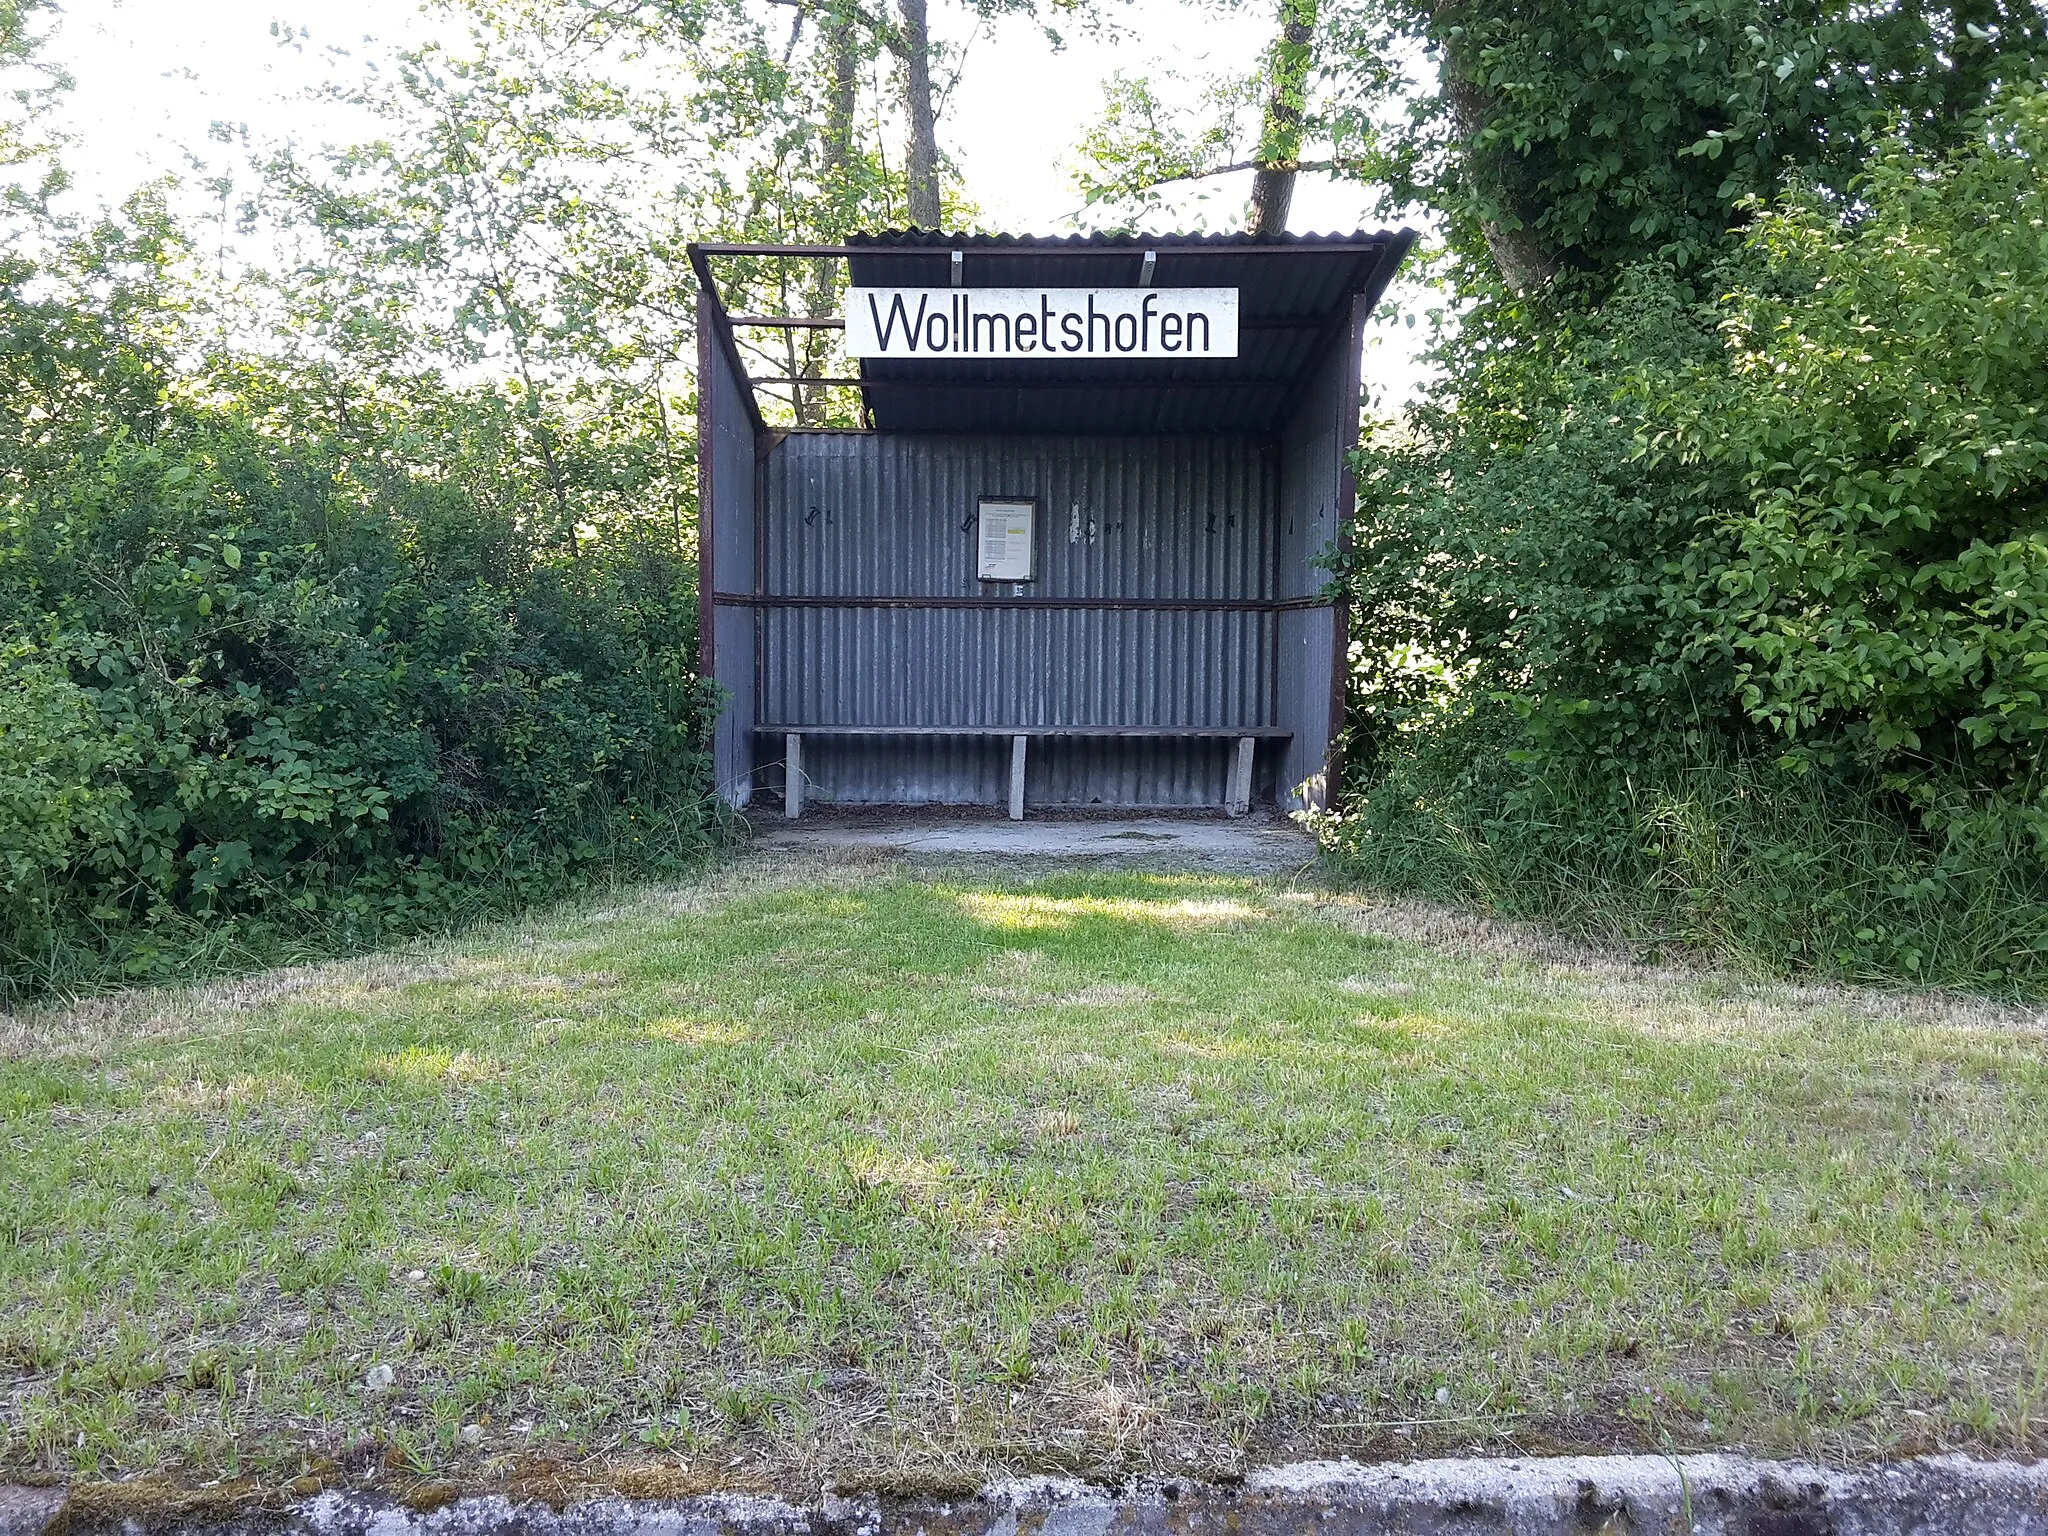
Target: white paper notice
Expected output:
[1006,540]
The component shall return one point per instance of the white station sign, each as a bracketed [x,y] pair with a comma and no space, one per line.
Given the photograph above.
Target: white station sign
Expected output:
[1041,322]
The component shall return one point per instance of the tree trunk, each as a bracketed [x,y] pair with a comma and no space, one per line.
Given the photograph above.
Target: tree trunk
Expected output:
[839,199]
[1524,261]
[1279,153]
[839,51]
[923,158]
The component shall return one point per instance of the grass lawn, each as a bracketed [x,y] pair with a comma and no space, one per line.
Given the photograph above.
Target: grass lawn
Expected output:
[841,1170]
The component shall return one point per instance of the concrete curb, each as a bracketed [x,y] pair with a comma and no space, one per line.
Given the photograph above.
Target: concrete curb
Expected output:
[28,1511]
[1563,1496]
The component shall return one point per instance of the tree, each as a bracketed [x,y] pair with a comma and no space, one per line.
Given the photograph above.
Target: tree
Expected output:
[495,230]
[1564,138]
[292,654]
[1257,122]
[31,86]
[762,137]
[923,169]
[1279,153]
[1574,139]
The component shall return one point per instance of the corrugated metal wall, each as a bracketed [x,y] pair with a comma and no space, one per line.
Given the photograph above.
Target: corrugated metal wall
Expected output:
[1015,667]
[726,559]
[1059,771]
[861,515]
[894,516]
[1316,493]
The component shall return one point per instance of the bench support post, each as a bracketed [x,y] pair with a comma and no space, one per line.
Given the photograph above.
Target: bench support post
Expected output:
[1241,777]
[1017,777]
[792,775]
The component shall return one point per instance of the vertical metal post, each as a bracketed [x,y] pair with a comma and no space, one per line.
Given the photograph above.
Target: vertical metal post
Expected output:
[1241,777]
[1017,777]
[792,775]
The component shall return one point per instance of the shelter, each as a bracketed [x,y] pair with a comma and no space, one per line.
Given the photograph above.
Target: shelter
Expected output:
[1035,577]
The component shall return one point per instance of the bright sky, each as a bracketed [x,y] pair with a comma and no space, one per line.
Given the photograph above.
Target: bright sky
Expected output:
[154,75]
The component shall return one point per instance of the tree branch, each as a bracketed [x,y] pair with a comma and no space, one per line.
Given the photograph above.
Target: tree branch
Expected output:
[1240,165]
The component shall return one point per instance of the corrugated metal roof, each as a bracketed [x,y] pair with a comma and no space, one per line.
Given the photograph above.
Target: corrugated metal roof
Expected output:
[1294,303]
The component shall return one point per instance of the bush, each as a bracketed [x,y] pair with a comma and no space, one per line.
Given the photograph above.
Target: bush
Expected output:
[277,677]
[1742,859]
[1885,401]
[1716,614]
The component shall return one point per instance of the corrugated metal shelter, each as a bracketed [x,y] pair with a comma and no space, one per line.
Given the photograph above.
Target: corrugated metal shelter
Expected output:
[1176,645]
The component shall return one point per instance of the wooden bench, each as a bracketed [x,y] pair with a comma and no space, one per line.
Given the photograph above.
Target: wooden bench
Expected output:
[1237,802]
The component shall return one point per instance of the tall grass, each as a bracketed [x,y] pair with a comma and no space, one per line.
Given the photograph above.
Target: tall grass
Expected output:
[1744,860]
[602,843]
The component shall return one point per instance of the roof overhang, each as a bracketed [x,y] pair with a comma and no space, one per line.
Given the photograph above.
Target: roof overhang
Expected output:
[1296,296]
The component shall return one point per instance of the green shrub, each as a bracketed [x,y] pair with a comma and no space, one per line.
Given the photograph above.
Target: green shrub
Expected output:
[1885,400]
[1743,859]
[278,676]
[1717,614]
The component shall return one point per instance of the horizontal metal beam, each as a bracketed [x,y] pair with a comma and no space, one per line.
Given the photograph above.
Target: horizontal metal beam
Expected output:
[1110,604]
[1263,732]
[820,323]
[1040,385]
[1042,252]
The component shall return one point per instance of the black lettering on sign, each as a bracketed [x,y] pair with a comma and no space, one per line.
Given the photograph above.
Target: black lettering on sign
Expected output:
[981,325]
[897,316]
[1108,328]
[1020,322]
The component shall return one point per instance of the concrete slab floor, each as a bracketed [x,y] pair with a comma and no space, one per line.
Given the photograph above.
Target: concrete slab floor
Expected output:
[1258,844]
